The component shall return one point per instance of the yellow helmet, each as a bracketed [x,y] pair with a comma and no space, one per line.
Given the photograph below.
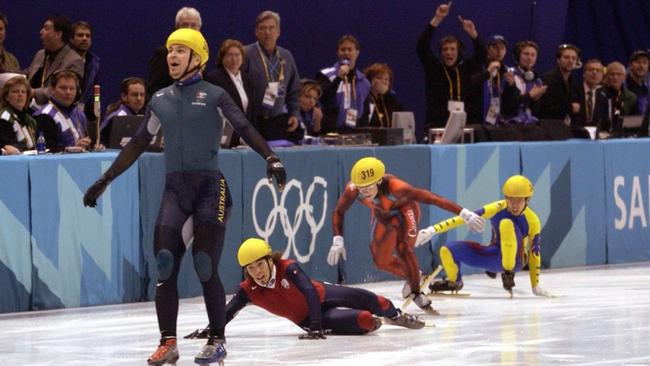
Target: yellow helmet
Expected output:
[518,186]
[367,171]
[252,249]
[192,39]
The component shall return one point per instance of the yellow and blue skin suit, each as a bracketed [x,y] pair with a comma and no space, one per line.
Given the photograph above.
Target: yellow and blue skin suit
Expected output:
[515,242]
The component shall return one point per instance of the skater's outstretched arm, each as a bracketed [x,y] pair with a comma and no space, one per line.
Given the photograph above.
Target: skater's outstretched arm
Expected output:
[129,154]
[295,274]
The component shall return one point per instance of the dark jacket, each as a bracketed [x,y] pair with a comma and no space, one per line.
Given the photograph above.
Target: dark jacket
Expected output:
[437,85]
[600,115]
[556,101]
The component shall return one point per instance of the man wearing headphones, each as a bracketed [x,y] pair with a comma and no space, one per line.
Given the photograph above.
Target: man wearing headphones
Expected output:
[60,121]
[523,86]
[556,102]
[449,78]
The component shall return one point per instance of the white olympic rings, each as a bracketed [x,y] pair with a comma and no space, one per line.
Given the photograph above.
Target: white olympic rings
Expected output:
[290,228]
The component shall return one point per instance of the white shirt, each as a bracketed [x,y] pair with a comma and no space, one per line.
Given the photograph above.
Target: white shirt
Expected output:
[239,84]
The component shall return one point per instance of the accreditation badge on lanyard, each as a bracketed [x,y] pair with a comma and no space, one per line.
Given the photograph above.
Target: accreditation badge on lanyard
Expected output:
[351,117]
[493,111]
[271,94]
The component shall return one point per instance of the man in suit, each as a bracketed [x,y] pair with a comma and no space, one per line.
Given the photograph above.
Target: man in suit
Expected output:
[55,56]
[556,101]
[275,77]
[589,101]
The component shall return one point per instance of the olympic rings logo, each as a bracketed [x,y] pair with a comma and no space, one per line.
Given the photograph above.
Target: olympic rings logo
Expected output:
[290,227]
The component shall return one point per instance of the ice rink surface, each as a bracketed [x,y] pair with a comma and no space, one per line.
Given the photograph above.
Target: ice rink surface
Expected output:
[600,317]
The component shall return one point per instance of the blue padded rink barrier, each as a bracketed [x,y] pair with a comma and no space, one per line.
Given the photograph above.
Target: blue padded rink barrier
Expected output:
[600,317]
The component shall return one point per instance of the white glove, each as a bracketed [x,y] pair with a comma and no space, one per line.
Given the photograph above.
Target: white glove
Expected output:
[474,221]
[425,235]
[336,251]
[538,291]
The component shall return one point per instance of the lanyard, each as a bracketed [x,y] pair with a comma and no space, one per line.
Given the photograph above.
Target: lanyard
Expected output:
[491,86]
[349,91]
[451,85]
[381,116]
[267,71]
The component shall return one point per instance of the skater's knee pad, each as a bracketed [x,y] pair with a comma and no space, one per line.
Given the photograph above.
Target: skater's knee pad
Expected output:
[508,244]
[203,266]
[366,322]
[165,264]
[448,263]
[384,304]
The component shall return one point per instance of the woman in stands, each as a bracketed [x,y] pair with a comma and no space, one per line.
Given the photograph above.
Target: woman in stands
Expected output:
[233,80]
[17,127]
[381,101]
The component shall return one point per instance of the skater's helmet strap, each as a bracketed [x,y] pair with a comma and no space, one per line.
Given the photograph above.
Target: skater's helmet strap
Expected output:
[251,250]
[367,171]
[518,186]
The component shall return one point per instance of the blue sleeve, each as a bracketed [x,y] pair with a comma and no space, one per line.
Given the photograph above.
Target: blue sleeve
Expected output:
[302,281]
[238,302]
[239,122]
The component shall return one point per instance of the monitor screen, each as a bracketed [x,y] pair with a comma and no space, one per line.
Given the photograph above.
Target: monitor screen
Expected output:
[405,121]
[454,127]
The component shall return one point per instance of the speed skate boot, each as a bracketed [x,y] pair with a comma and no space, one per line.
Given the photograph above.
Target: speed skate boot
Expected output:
[213,351]
[446,286]
[423,302]
[167,352]
[405,320]
[406,289]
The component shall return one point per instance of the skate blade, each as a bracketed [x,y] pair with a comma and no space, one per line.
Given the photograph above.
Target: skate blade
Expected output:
[204,363]
[449,294]
[431,311]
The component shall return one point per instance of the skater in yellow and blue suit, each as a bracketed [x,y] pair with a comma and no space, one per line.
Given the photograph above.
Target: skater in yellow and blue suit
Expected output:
[515,241]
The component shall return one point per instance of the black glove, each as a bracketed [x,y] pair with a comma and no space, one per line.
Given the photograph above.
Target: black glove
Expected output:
[96,190]
[274,168]
[199,333]
[315,331]
[508,279]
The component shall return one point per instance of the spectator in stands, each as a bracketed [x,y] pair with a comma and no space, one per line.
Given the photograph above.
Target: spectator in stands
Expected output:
[345,88]
[55,56]
[556,101]
[158,74]
[523,87]
[276,81]
[381,101]
[491,79]
[635,81]
[61,122]
[590,102]
[8,62]
[17,127]
[447,82]
[131,103]
[82,39]
[229,76]
[311,115]
[623,100]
